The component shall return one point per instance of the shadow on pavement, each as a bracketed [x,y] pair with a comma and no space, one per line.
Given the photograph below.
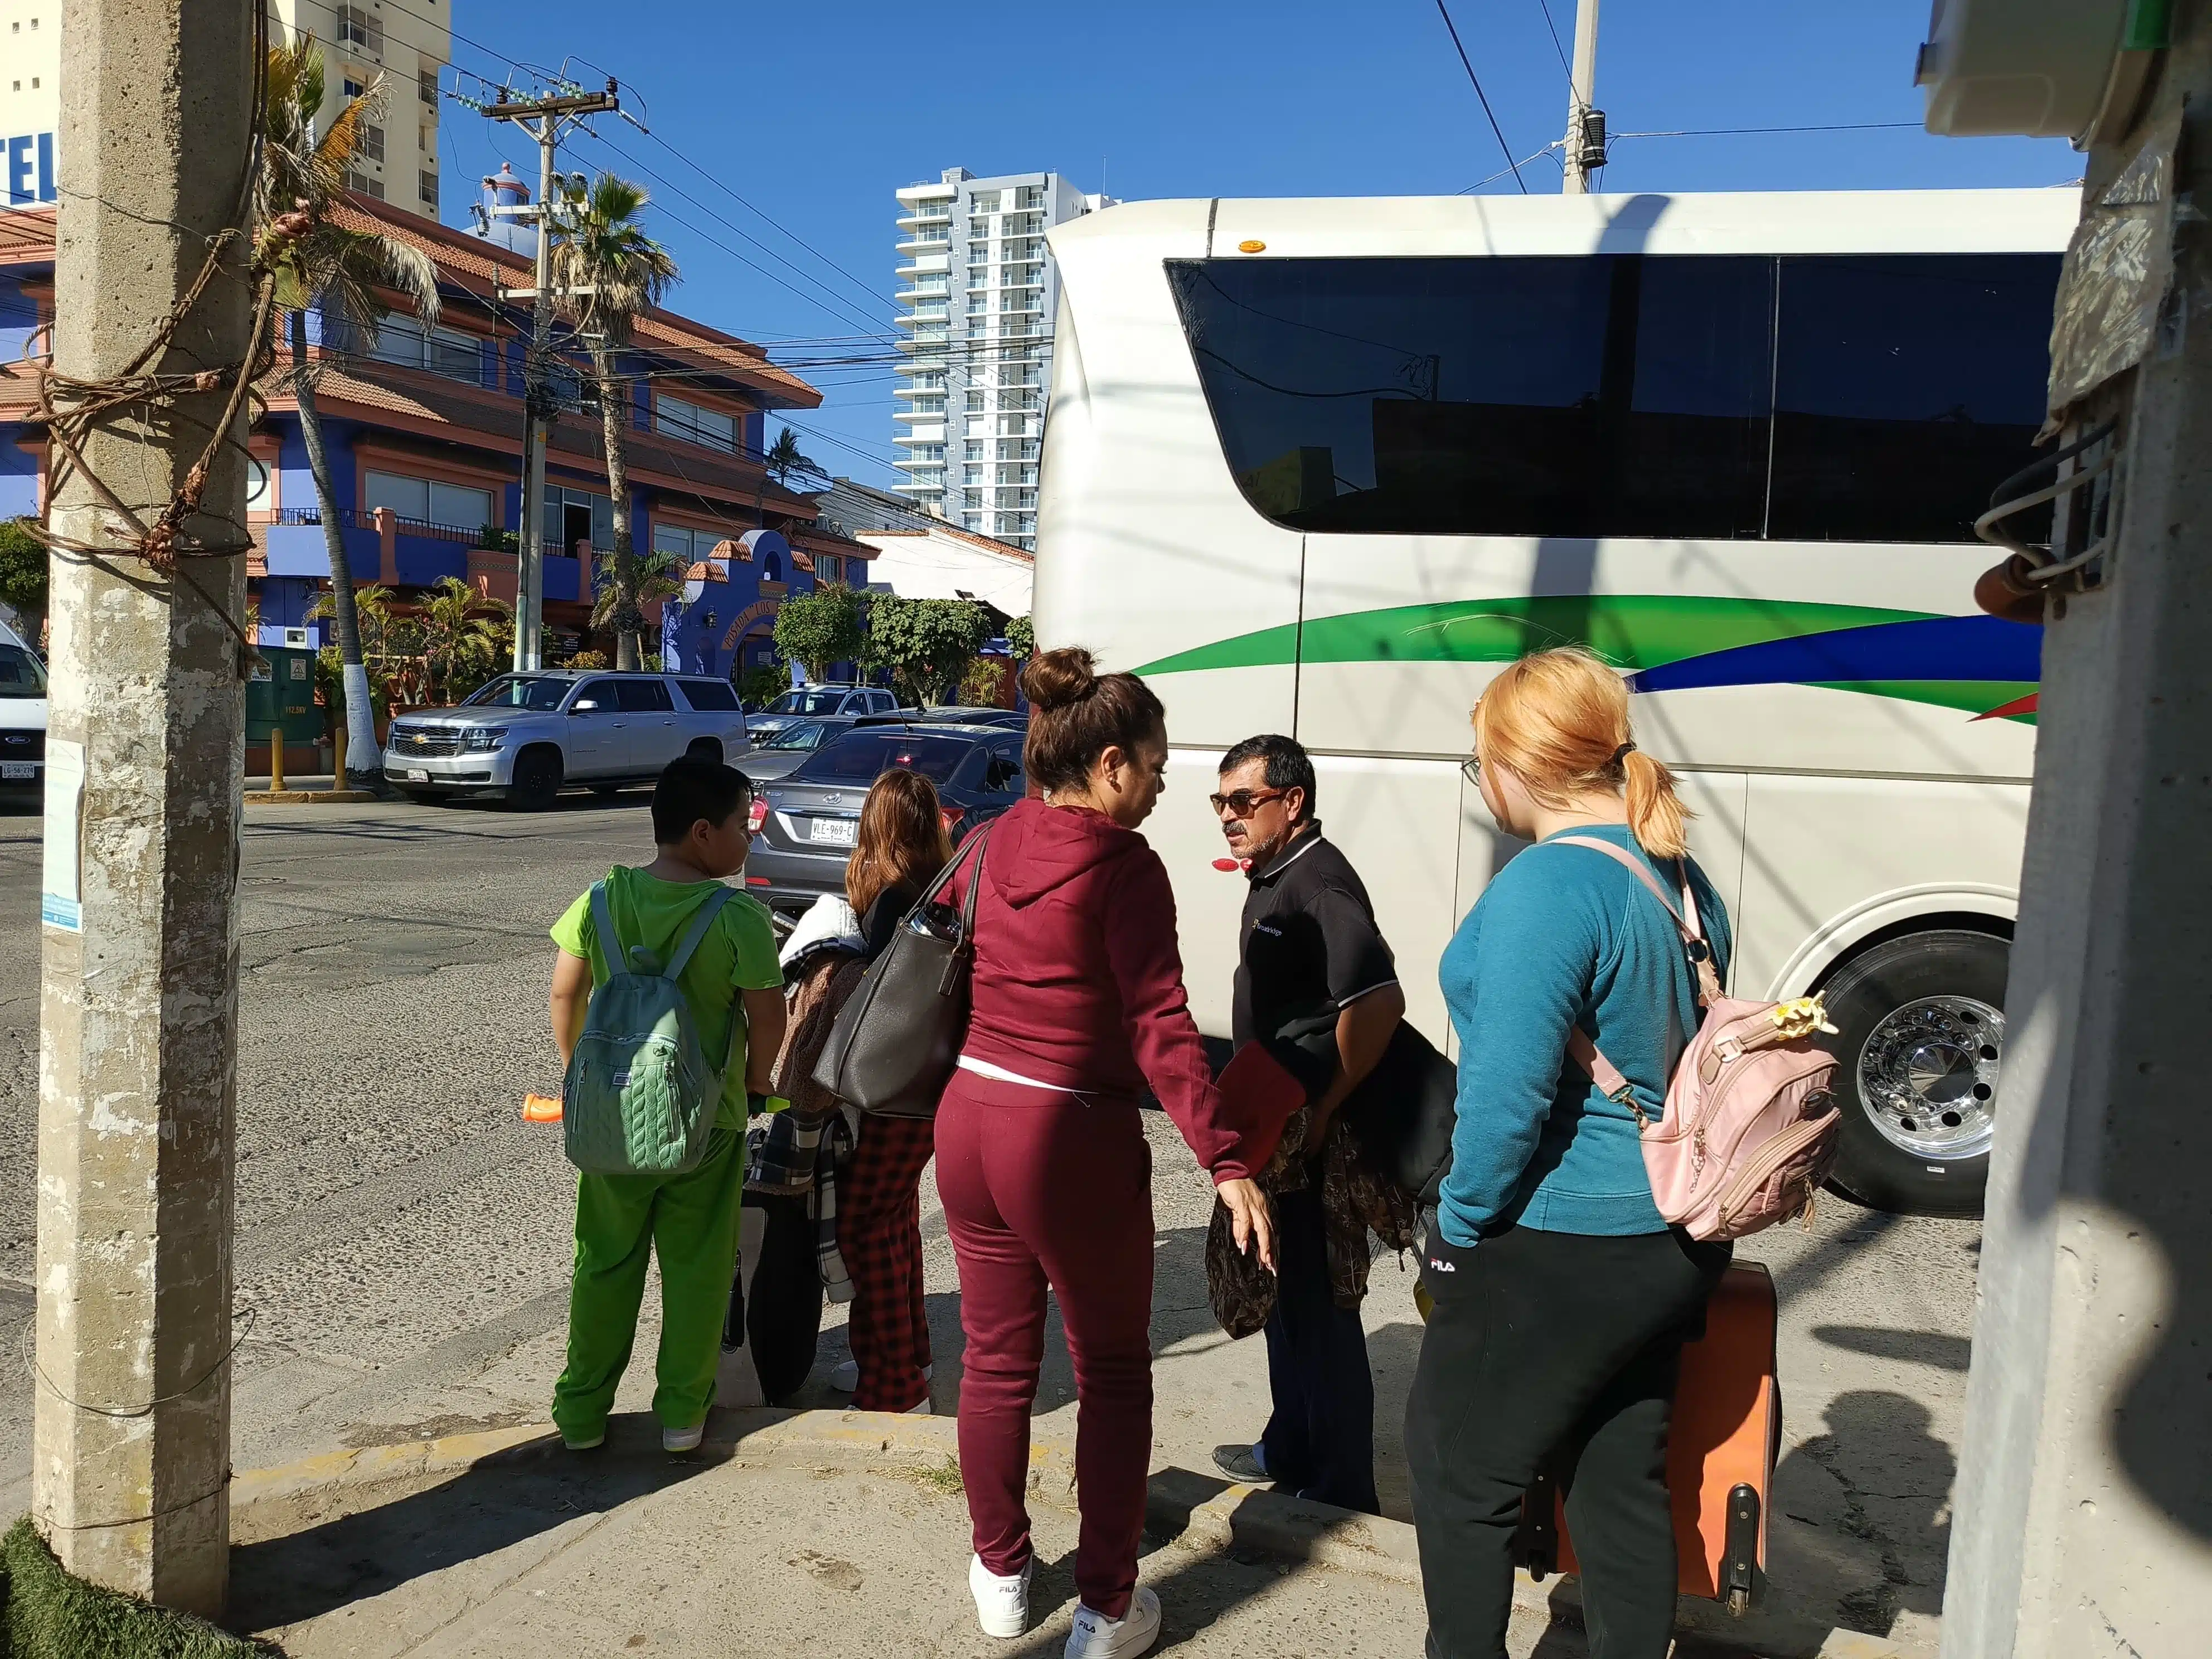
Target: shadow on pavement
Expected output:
[1937,1348]
[505,1499]
[1891,1480]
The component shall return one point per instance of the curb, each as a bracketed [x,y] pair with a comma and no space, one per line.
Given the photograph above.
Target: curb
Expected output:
[1191,1510]
[307,797]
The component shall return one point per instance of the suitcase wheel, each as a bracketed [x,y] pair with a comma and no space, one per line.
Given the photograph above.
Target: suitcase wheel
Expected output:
[1739,1574]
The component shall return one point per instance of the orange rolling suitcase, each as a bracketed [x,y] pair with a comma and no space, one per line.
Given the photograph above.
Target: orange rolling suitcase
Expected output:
[1721,1451]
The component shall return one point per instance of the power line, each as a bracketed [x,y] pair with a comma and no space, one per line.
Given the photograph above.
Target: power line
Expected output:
[1513,165]
[1552,29]
[1733,132]
[874,294]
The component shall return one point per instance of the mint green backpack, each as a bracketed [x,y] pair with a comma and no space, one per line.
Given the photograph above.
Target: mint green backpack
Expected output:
[639,1097]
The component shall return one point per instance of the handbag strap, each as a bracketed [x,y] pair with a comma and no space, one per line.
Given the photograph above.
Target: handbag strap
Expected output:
[1691,929]
[976,844]
[1581,1047]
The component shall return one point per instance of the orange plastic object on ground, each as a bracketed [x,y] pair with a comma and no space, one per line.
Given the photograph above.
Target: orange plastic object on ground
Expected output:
[1720,1450]
[541,1108]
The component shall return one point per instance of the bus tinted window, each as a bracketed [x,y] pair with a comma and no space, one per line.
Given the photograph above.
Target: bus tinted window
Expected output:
[1624,394]
[1907,386]
[1619,395]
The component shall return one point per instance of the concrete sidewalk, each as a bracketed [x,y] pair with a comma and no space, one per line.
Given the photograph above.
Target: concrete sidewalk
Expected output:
[826,1534]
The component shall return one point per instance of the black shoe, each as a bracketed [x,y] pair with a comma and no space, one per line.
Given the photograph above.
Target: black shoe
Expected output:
[1241,1463]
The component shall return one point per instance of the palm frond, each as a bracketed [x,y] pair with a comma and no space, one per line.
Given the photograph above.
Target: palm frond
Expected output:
[599,245]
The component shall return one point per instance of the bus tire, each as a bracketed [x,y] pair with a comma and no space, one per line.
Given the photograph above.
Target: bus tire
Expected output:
[1920,1036]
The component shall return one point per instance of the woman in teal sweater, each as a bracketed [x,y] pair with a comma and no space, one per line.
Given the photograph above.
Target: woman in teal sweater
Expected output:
[1561,1299]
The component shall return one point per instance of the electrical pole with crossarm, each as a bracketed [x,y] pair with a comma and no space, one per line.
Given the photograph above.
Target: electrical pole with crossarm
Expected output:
[543,119]
[1585,150]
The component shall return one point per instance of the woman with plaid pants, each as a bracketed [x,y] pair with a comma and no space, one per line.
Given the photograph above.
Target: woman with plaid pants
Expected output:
[879,1236]
[901,845]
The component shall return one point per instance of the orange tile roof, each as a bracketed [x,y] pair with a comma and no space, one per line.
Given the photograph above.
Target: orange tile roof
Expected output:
[988,543]
[460,255]
[27,237]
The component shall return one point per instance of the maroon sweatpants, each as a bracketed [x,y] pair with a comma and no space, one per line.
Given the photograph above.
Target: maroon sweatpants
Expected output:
[1039,1189]
[879,1236]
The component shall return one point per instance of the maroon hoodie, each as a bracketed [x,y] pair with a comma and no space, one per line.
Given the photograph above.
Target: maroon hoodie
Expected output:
[1077,979]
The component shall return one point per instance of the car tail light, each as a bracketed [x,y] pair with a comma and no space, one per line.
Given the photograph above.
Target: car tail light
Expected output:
[758,815]
[951,815]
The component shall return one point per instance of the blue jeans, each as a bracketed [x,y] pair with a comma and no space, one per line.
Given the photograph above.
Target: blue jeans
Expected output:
[1320,1443]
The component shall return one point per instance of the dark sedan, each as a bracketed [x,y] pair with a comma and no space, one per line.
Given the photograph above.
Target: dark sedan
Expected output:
[783,753]
[803,826]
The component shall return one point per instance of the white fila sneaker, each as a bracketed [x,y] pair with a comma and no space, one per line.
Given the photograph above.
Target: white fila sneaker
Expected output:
[1097,1637]
[1002,1605]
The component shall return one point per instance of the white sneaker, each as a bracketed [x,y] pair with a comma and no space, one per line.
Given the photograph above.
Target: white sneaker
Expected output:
[1002,1605]
[845,1374]
[683,1440]
[1097,1637]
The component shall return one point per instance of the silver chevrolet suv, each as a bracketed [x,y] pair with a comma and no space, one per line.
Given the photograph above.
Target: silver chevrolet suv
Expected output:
[528,736]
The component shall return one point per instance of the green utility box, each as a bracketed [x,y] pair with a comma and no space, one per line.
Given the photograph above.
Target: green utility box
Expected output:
[281,693]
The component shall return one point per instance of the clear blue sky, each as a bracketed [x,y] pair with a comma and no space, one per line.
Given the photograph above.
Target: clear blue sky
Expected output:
[814,113]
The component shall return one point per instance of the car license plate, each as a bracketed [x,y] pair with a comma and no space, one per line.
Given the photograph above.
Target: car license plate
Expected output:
[23,770]
[418,775]
[838,832]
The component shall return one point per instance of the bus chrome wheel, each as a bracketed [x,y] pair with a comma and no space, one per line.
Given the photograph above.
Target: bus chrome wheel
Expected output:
[1928,1076]
[1920,1023]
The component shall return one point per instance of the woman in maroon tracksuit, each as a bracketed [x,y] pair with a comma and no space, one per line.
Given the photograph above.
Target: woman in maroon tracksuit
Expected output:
[1041,1160]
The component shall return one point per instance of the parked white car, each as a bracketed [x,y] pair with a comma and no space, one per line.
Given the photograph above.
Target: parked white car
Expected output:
[22,716]
[529,736]
[808,701]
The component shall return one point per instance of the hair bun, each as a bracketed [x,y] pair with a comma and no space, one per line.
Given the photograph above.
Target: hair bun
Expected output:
[1055,679]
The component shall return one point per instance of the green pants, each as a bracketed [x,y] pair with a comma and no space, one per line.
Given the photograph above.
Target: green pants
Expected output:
[690,1221]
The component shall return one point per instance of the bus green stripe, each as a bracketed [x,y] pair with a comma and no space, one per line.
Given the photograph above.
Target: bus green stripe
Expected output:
[1630,631]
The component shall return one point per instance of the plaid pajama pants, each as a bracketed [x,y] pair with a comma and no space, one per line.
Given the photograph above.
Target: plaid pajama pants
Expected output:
[879,1235]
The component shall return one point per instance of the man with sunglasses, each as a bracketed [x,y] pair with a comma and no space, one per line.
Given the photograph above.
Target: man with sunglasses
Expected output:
[1310,948]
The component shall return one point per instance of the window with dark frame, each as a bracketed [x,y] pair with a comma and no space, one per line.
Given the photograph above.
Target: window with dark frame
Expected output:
[1736,396]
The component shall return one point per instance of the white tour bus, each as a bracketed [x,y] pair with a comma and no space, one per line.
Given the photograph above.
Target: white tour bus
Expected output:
[1320,467]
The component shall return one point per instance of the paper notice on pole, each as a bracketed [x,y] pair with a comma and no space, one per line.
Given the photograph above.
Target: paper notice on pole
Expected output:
[58,902]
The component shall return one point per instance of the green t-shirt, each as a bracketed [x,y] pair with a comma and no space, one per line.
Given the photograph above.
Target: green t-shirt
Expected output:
[738,954]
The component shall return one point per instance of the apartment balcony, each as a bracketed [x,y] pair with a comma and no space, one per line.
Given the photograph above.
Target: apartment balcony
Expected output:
[925,241]
[918,295]
[927,264]
[930,192]
[926,213]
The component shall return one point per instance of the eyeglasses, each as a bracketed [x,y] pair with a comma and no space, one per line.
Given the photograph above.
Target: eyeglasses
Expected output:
[1240,803]
[1471,769]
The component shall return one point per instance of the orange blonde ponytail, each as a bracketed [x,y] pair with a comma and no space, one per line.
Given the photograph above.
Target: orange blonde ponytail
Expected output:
[1559,719]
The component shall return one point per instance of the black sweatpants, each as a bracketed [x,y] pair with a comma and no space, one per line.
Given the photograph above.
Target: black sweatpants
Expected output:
[1554,1350]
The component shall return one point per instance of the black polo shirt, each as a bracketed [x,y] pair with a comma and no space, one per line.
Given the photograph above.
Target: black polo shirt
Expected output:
[1309,940]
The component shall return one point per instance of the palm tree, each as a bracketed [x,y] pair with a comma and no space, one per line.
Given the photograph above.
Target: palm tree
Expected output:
[463,632]
[321,264]
[657,576]
[784,458]
[607,272]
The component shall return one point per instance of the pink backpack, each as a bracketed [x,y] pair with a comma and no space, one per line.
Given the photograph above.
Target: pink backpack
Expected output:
[1750,1128]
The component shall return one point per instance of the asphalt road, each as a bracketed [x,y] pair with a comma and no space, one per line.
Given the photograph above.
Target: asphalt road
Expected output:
[404,1237]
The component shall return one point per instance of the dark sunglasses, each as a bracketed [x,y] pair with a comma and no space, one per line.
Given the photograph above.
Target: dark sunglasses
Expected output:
[1240,803]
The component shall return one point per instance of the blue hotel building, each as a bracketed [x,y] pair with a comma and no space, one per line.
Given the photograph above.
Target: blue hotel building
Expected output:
[424,436]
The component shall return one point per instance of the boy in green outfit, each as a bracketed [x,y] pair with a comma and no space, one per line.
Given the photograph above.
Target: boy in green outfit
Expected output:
[700,812]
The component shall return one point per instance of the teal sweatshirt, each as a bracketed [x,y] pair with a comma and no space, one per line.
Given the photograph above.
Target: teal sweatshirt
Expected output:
[1563,936]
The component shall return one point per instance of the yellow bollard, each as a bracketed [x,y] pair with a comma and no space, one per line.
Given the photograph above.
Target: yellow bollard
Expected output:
[276,760]
[337,755]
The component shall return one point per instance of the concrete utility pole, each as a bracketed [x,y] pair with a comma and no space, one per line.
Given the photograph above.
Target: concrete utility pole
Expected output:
[2084,1508]
[542,119]
[138,1004]
[1584,152]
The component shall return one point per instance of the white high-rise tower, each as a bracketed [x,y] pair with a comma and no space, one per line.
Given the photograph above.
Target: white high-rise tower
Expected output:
[976,301]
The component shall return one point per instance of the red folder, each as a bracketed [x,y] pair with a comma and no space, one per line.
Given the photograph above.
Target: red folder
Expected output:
[1258,1095]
